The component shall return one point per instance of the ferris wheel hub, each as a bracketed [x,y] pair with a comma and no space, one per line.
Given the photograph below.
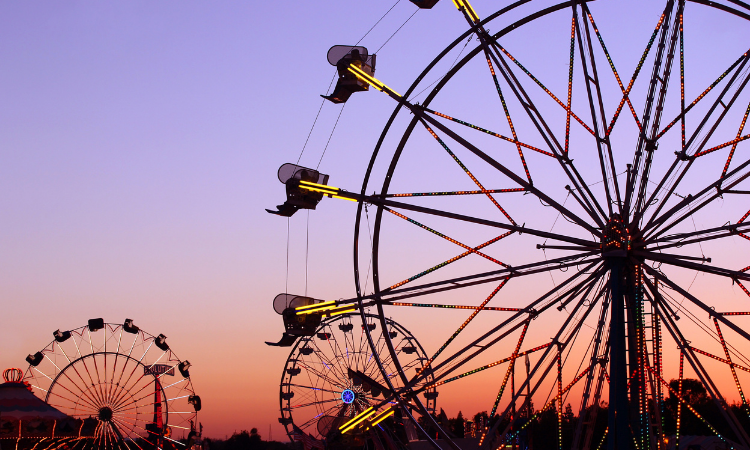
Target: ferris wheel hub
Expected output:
[616,239]
[105,414]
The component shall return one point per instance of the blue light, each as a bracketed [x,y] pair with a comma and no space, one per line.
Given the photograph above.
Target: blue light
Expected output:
[347,396]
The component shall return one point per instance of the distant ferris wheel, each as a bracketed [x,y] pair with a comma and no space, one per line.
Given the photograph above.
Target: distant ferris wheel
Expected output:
[332,375]
[129,381]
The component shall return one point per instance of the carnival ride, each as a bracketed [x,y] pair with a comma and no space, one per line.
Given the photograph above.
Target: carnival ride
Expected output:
[129,382]
[332,376]
[587,223]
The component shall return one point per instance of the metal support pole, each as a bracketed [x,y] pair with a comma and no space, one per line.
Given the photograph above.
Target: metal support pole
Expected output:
[619,434]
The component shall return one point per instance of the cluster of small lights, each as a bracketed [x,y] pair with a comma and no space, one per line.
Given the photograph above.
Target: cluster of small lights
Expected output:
[570,82]
[507,116]
[659,362]
[682,77]
[488,366]
[642,357]
[734,146]
[729,360]
[604,436]
[454,259]
[483,191]
[738,313]
[699,98]
[463,325]
[544,88]
[437,233]
[742,286]
[471,175]
[687,405]
[559,398]
[432,305]
[553,400]
[635,75]
[616,235]
[717,358]
[719,147]
[679,404]
[614,70]
[507,375]
[491,133]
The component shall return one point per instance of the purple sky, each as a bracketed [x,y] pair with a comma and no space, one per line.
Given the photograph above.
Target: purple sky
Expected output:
[140,143]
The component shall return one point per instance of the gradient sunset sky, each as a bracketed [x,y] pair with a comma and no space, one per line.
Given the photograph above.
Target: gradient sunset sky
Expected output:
[140,142]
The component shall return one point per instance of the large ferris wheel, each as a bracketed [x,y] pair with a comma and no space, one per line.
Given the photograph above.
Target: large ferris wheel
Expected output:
[588,218]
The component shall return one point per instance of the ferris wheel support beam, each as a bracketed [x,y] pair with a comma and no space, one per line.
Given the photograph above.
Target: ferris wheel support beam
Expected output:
[619,408]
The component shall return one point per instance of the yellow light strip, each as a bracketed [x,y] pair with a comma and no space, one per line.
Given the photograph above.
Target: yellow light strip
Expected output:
[344,198]
[315,311]
[343,311]
[374,82]
[319,186]
[357,419]
[387,413]
[469,10]
[315,305]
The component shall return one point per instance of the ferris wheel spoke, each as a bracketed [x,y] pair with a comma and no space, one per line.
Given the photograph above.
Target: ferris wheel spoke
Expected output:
[449,239]
[63,372]
[466,322]
[449,261]
[508,117]
[491,133]
[498,58]
[648,140]
[705,268]
[523,229]
[468,352]
[530,309]
[83,394]
[488,277]
[741,61]
[734,146]
[596,105]
[466,170]
[700,150]
[507,172]
[664,279]
[654,226]
[565,163]
[705,378]
[511,367]
[450,193]
[555,362]
[625,92]
[330,363]
[321,375]
[644,142]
